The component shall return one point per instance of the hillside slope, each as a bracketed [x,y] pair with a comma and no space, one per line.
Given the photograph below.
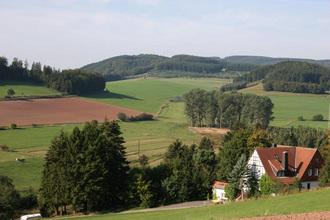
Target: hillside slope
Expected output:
[130,65]
[291,76]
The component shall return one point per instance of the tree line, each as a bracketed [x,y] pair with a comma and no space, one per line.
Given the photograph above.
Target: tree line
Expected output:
[227,110]
[290,76]
[71,81]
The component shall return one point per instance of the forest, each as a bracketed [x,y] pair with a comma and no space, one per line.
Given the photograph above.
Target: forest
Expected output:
[124,66]
[290,76]
[227,110]
[69,81]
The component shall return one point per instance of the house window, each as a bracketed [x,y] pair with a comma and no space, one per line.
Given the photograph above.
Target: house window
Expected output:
[316,172]
[310,172]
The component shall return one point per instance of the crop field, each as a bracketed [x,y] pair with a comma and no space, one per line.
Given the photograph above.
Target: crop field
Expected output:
[289,106]
[150,137]
[314,201]
[25,89]
[57,111]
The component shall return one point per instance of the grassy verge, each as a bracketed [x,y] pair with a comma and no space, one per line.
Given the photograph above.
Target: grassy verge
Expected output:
[313,201]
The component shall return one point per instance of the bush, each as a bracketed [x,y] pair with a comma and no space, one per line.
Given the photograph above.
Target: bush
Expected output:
[301,118]
[4,147]
[10,92]
[28,200]
[318,117]
[13,126]
[268,185]
[141,117]
[122,116]
[231,191]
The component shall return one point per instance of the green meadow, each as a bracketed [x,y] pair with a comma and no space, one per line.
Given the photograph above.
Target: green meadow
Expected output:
[289,106]
[312,201]
[25,89]
[150,93]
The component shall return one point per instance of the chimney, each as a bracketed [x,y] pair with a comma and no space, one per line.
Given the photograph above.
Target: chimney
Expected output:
[285,162]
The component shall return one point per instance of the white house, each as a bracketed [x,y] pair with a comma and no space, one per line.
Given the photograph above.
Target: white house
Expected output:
[286,164]
[219,194]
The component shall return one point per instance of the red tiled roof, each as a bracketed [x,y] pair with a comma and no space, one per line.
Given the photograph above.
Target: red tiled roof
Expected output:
[219,184]
[298,158]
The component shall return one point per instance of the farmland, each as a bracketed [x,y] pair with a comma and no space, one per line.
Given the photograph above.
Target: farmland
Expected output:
[289,106]
[25,89]
[58,111]
[152,138]
[313,201]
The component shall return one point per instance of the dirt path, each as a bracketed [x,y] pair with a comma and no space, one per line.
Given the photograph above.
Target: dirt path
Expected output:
[184,205]
[302,216]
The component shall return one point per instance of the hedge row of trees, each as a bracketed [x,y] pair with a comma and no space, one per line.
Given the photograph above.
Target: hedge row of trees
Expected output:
[216,109]
[283,86]
[67,81]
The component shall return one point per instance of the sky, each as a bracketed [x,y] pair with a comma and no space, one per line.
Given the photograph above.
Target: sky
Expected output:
[73,33]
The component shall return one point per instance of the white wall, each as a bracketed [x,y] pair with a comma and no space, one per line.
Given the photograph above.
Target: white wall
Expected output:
[220,193]
[314,184]
[256,165]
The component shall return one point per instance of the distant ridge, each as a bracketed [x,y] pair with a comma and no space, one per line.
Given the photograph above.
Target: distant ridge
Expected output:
[119,67]
[263,60]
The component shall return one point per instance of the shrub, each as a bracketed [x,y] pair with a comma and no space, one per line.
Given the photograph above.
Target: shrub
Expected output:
[4,147]
[10,92]
[268,185]
[231,191]
[13,126]
[34,125]
[142,117]
[318,117]
[301,118]
[122,116]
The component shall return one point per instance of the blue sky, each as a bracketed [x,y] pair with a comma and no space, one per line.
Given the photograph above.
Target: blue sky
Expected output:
[71,33]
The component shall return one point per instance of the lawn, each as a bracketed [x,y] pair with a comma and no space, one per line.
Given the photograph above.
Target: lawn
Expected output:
[289,106]
[150,138]
[25,89]
[150,93]
[296,203]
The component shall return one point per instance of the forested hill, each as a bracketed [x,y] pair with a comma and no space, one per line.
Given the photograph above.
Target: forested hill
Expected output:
[262,60]
[291,76]
[123,66]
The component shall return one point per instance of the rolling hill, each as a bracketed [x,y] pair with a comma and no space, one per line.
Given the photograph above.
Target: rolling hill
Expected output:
[130,65]
[291,76]
[263,60]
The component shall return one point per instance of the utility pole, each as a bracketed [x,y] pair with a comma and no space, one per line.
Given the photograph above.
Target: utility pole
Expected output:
[329,118]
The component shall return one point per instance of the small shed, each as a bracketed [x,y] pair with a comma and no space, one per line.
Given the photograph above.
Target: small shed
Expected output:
[219,194]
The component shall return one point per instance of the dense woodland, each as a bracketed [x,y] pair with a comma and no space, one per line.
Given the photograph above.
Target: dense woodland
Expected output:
[124,66]
[73,81]
[222,110]
[299,77]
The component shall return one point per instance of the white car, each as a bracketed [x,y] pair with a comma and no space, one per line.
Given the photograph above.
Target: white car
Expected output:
[30,217]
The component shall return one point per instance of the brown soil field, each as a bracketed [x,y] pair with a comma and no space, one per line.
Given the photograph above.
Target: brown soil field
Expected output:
[302,216]
[57,111]
[210,131]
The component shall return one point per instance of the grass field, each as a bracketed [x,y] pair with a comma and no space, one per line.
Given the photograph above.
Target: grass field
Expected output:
[149,94]
[152,138]
[313,201]
[289,106]
[25,89]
